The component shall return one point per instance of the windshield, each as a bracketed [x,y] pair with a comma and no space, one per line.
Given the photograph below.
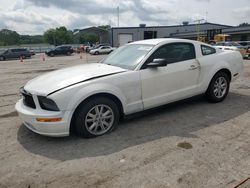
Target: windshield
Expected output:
[128,56]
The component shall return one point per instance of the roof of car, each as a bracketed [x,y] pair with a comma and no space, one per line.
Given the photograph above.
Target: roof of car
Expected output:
[161,40]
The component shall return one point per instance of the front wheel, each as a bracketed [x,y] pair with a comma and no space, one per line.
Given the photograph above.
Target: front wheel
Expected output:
[2,58]
[96,117]
[218,88]
[96,53]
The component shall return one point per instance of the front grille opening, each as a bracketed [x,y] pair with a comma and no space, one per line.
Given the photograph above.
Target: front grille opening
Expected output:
[28,99]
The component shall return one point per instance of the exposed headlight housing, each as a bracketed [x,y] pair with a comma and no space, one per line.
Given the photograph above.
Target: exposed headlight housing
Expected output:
[47,104]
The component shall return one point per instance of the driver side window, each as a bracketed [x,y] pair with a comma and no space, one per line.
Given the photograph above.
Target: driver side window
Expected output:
[173,53]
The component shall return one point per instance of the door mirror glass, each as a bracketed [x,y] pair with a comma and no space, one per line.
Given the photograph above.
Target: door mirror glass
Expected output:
[157,63]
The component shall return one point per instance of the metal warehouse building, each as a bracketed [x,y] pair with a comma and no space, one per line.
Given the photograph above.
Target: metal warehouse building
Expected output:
[122,35]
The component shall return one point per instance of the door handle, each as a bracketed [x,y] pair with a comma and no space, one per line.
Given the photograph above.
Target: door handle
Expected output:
[193,67]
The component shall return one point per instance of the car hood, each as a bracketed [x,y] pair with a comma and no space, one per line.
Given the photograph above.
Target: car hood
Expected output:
[59,79]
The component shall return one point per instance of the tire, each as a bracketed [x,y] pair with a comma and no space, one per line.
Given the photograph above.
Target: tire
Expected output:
[96,53]
[51,54]
[68,53]
[2,58]
[89,123]
[218,88]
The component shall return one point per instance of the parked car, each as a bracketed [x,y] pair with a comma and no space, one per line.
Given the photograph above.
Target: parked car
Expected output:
[229,45]
[247,55]
[91,98]
[60,50]
[102,50]
[89,48]
[14,54]
[32,52]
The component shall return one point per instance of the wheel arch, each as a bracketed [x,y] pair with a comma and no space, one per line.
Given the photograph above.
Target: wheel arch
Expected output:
[103,94]
[225,70]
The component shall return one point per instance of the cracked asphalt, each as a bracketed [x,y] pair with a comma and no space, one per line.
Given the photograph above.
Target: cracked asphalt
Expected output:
[187,144]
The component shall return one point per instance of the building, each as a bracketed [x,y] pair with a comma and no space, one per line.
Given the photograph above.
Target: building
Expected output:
[102,34]
[238,33]
[122,35]
[118,36]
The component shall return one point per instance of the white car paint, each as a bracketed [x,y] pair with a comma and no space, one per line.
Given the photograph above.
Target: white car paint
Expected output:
[227,48]
[137,89]
[102,50]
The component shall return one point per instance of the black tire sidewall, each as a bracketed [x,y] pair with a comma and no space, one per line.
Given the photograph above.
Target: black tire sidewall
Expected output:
[210,91]
[81,113]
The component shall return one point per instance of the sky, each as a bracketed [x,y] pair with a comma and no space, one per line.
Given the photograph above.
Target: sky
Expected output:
[36,16]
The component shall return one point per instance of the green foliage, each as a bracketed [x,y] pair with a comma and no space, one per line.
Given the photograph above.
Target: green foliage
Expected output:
[58,36]
[8,37]
[27,39]
[244,24]
[88,38]
[105,27]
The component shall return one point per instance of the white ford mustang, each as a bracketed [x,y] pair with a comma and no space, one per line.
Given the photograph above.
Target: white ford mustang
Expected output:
[91,98]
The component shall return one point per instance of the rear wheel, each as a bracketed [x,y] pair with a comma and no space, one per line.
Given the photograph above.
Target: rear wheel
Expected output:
[96,117]
[2,58]
[52,54]
[68,53]
[218,88]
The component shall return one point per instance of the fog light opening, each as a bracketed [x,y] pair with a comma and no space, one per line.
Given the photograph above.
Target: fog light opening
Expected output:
[48,119]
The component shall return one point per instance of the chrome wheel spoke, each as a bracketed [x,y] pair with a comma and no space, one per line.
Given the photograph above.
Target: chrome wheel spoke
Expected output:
[94,125]
[105,123]
[106,113]
[97,112]
[107,117]
[102,127]
[90,120]
[91,115]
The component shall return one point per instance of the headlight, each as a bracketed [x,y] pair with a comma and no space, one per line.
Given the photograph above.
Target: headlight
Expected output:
[47,104]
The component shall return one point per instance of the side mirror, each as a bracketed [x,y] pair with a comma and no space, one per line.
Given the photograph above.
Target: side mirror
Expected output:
[157,63]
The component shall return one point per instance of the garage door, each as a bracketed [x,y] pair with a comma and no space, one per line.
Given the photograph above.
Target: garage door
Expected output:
[125,38]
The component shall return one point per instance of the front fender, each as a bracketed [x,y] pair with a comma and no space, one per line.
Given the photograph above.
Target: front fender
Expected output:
[69,98]
[93,89]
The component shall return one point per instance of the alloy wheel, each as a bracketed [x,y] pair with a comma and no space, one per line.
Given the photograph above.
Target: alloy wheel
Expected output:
[220,87]
[99,119]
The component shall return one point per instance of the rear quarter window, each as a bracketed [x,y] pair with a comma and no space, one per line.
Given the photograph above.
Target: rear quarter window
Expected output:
[207,50]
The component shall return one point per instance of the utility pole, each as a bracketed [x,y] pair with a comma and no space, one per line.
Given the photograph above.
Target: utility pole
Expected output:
[198,27]
[118,16]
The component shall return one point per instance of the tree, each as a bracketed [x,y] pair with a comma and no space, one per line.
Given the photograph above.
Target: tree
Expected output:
[105,27]
[8,37]
[50,36]
[58,36]
[28,39]
[244,24]
[88,38]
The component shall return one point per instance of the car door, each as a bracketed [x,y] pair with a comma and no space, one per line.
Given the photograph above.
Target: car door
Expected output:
[58,51]
[102,49]
[8,54]
[177,80]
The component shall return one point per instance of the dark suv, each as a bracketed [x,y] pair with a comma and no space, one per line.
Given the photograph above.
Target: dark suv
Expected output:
[60,50]
[14,53]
